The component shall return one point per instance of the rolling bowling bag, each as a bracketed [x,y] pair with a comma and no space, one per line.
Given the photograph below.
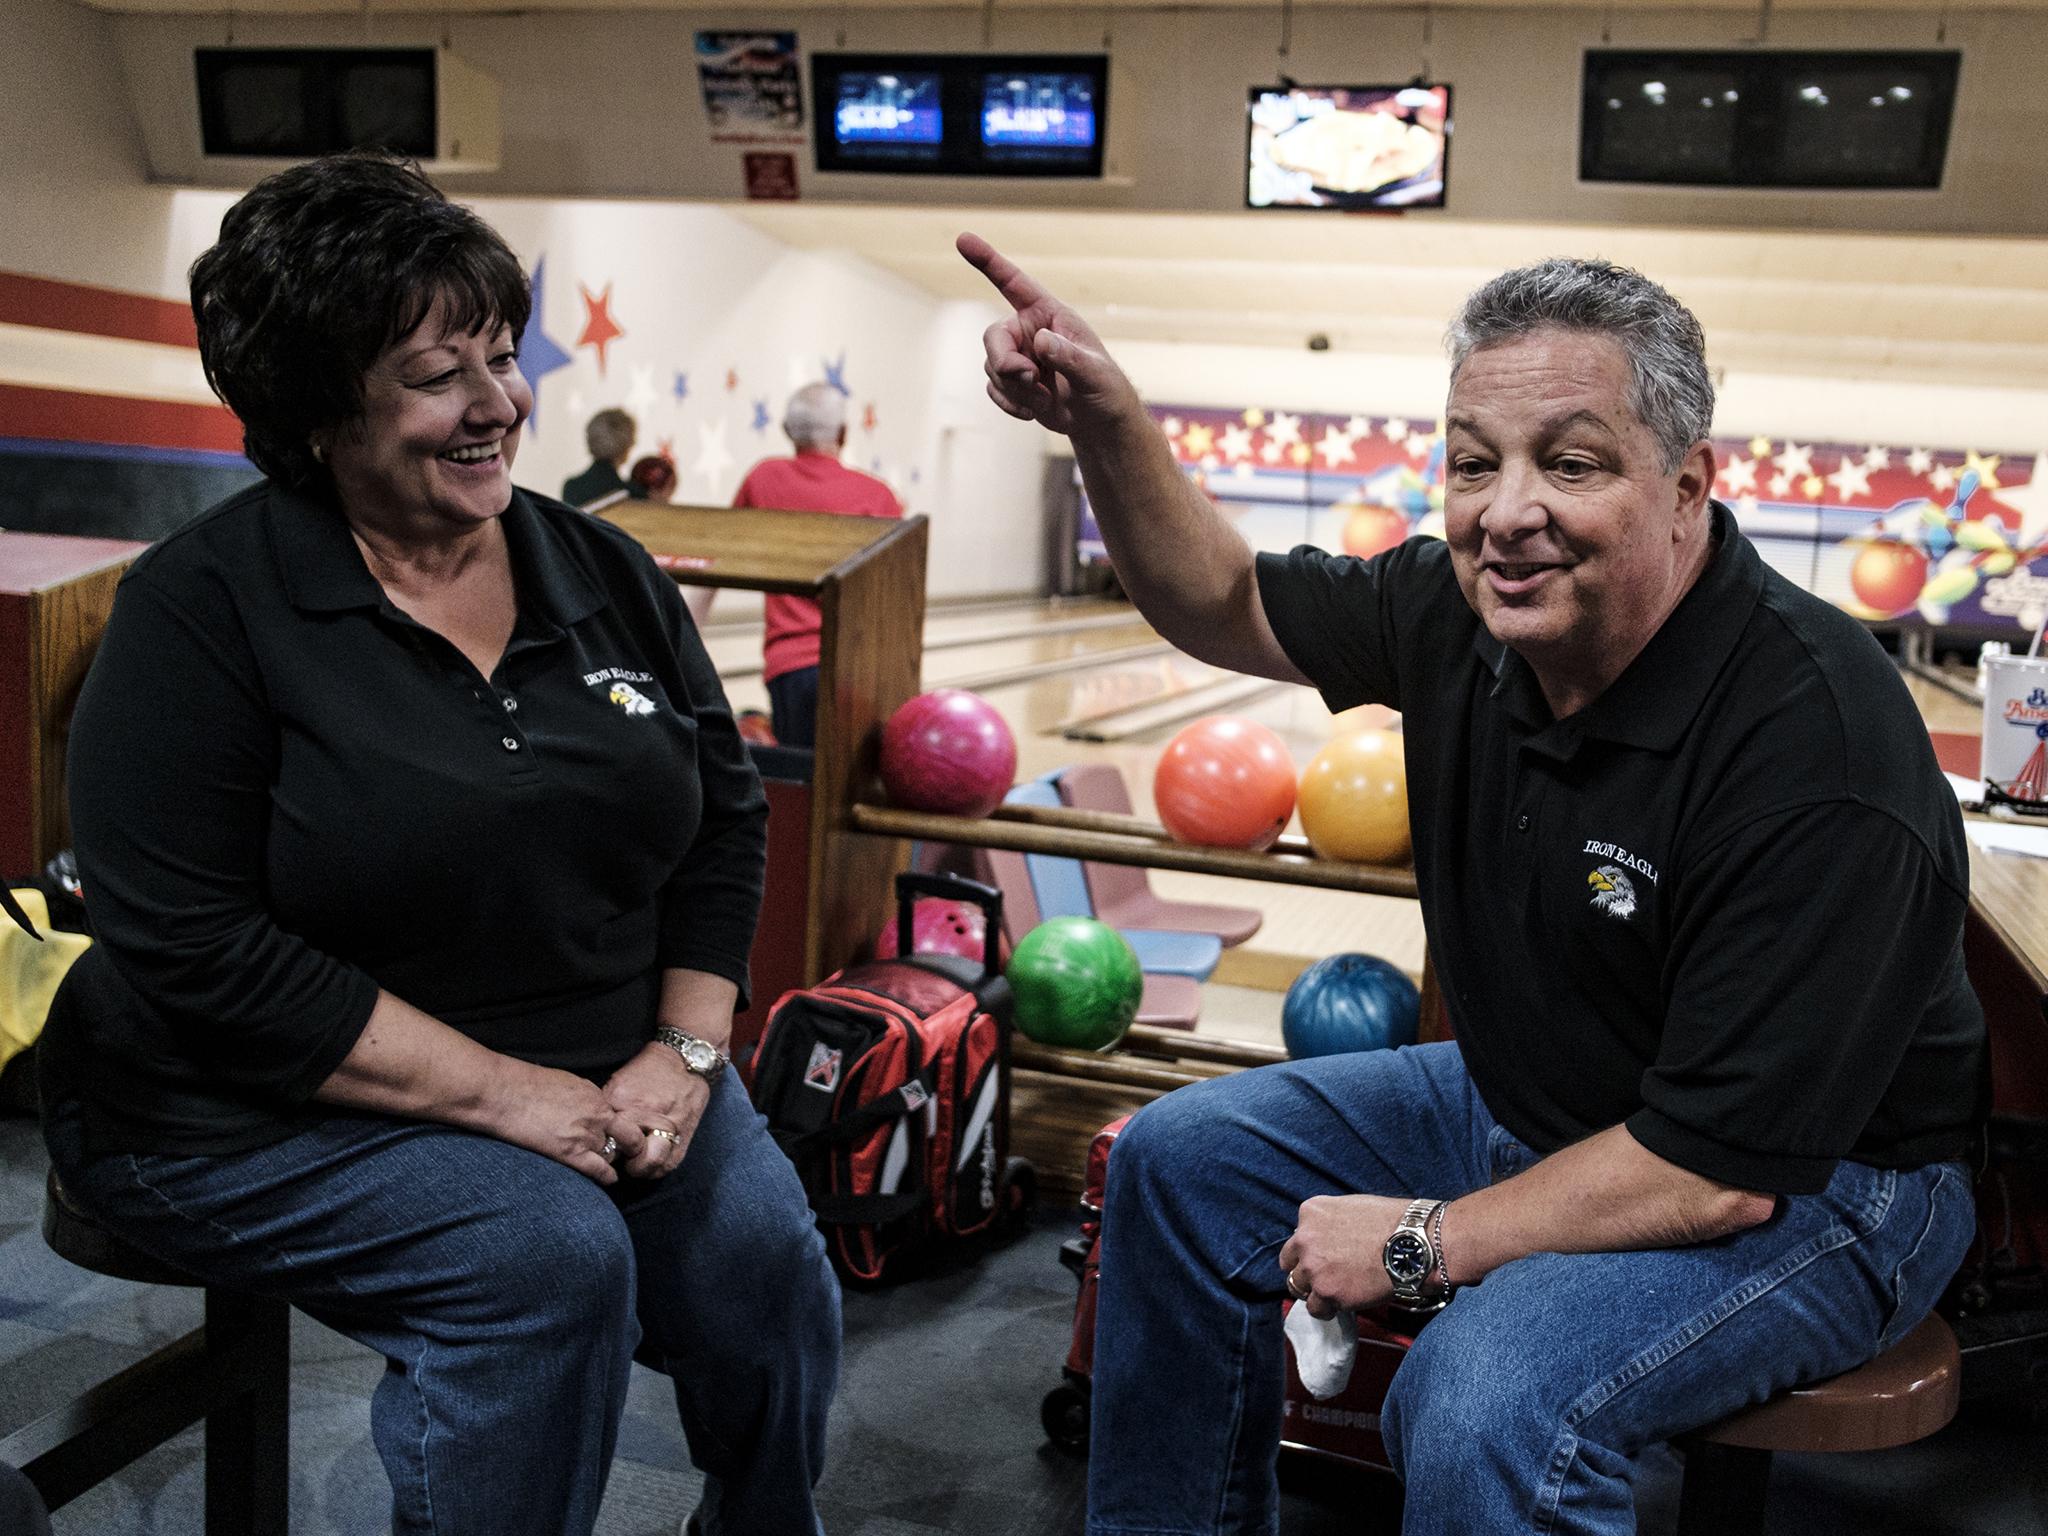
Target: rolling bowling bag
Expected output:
[888,1084]
[1343,1428]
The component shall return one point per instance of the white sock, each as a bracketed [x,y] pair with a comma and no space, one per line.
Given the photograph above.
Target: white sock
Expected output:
[1324,1348]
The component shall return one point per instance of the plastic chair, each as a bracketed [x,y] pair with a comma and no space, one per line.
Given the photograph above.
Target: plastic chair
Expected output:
[1062,891]
[1123,893]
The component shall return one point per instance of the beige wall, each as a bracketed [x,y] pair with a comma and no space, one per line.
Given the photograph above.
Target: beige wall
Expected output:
[73,198]
[607,103]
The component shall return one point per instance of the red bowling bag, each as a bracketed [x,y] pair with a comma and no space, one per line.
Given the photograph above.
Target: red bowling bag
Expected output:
[888,1084]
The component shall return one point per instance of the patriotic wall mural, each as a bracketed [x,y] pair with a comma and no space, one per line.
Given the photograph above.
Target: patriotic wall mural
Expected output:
[1892,533]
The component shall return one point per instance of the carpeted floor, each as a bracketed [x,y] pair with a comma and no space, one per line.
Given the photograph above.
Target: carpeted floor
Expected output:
[936,1427]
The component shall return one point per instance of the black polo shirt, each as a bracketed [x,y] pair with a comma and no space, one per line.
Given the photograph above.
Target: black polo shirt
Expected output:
[286,794]
[1723,904]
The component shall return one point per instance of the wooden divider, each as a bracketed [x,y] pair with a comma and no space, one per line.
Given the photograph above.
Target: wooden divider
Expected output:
[867,576]
[55,595]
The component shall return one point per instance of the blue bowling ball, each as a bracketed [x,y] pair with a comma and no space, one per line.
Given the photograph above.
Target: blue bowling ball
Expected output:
[1349,1003]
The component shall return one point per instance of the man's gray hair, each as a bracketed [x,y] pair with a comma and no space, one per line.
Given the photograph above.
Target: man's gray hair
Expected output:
[610,434]
[815,416]
[1670,390]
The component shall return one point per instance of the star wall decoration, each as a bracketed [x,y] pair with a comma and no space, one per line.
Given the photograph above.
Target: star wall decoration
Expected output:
[641,397]
[867,417]
[732,381]
[600,330]
[681,388]
[835,373]
[713,457]
[539,355]
[760,422]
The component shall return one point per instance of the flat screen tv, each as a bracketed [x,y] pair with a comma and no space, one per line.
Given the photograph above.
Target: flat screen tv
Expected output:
[1348,146]
[960,114]
[1782,119]
[295,103]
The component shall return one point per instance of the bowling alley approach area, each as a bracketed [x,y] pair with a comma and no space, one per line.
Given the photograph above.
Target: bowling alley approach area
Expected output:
[1023,768]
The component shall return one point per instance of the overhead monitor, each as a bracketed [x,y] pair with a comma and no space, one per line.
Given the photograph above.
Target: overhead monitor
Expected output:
[1767,119]
[294,103]
[960,114]
[1348,147]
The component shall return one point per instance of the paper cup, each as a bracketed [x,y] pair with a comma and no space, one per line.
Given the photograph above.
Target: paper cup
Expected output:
[2016,725]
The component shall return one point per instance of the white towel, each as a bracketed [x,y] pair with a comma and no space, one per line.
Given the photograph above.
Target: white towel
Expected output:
[1324,1349]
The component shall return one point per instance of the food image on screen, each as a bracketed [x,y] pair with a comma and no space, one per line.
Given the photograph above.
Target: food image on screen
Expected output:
[1348,147]
[888,109]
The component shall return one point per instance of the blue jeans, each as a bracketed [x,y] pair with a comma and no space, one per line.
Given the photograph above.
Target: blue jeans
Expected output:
[508,1294]
[793,707]
[1524,1404]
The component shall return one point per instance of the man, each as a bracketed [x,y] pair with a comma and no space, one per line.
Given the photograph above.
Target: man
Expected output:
[609,436]
[813,480]
[1694,887]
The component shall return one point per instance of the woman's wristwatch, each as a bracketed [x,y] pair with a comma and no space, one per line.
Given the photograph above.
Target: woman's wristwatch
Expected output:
[700,1056]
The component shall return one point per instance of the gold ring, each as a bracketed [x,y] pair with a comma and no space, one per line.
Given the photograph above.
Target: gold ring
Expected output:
[668,1136]
[1295,1290]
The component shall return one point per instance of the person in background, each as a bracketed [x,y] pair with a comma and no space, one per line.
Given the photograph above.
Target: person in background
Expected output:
[425,860]
[609,436]
[1694,886]
[810,480]
[651,478]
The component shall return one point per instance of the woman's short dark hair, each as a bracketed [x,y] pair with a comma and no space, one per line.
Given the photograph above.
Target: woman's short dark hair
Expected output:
[318,270]
[651,476]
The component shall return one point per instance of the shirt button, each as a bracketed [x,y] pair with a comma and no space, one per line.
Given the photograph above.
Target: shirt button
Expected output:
[511,743]
[510,702]
[1521,823]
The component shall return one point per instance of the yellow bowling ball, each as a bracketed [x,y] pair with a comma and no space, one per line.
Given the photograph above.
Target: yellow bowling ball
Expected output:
[1354,799]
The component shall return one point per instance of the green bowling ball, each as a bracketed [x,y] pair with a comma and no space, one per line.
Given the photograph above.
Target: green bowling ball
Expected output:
[1076,983]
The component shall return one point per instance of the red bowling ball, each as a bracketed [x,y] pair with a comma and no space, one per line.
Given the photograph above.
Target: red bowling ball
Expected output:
[1226,783]
[948,751]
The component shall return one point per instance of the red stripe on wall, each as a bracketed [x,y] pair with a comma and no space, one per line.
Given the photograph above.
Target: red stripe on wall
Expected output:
[70,416]
[59,306]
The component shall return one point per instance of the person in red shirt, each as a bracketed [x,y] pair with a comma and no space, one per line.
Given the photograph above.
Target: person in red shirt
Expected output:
[812,480]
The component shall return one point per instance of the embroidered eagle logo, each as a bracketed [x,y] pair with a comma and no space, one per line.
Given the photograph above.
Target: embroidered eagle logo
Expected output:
[631,699]
[1613,892]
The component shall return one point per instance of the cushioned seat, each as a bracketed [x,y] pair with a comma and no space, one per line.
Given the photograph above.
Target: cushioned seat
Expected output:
[1905,1394]
[233,1372]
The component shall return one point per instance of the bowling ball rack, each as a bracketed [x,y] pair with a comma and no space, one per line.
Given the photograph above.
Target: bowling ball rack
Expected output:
[1063,1097]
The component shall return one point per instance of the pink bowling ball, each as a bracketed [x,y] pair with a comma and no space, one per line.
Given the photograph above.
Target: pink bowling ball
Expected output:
[948,751]
[939,928]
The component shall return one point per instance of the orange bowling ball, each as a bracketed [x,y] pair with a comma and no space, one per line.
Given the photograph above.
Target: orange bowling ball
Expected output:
[1225,782]
[1372,530]
[1354,799]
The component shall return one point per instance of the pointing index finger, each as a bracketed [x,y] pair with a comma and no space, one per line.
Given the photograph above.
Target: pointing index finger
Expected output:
[1016,286]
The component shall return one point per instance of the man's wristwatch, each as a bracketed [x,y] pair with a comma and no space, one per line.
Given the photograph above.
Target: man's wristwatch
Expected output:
[1410,1254]
[700,1056]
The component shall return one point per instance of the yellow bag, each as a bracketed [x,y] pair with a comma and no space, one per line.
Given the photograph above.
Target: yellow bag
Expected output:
[30,971]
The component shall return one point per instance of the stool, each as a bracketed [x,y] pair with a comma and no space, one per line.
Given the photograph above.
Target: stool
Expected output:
[234,1372]
[1905,1394]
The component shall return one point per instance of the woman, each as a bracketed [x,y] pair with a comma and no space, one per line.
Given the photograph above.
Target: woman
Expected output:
[651,478]
[425,860]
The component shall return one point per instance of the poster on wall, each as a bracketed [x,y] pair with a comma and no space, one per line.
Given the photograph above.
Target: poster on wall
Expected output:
[1895,534]
[751,91]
